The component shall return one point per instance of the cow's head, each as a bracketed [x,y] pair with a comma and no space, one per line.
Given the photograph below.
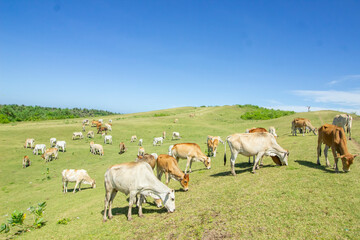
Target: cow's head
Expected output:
[284,158]
[314,130]
[169,201]
[347,160]
[43,156]
[93,185]
[207,162]
[185,182]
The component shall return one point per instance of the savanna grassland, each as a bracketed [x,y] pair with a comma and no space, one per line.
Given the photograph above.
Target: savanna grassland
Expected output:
[299,201]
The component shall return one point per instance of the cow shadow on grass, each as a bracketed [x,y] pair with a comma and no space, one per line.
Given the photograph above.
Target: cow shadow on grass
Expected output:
[124,210]
[316,166]
[82,189]
[247,168]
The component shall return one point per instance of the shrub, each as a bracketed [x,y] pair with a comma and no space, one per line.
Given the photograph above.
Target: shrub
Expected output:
[260,113]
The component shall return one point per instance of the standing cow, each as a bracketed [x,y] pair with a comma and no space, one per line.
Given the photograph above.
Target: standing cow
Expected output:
[343,120]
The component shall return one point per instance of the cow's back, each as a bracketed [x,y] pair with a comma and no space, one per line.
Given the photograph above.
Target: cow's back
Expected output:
[331,134]
[252,143]
[183,150]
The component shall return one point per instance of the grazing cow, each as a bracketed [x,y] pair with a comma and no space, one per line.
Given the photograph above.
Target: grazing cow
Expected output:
[168,165]
[272,131]
[150,159]
[215,137]
[38,147]
[191,152]
[26,162]
[29,142]
[164,135]
[78,176]
[133,138]
[140,142]
[101,120]
[334,137]
[52,142]
[101,129]
[135,178]
[90,134]
[108,126]
[97,148]
[343,120]
[61,144]
[176,120]
[212,147]
[94,123]
[122,147]
[108,138]
[302,123]
[85,122]
[98,125]
[78,135]
[175,135]
[158,140]
[110,121]
[83,128]
[169,151]
[141,151]
[192,115]
[50,154]
[259,144]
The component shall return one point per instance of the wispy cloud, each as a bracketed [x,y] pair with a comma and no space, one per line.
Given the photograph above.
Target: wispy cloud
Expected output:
[345,78]
[341,98]
[313,108]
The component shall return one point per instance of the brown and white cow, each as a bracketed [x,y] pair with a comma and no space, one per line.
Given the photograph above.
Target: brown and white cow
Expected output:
[141,151]
[302,123]
[343,120]
[133,138]
[212,145]
[101,129]
[334,137]
[254,144]
[191,152]
[168,165]
[150,159]
[122,147]
[26,162]
[50,154]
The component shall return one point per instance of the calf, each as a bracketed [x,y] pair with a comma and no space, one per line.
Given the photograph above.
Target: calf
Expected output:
[29,142]
[191,152]
[101,129]
[78,176]
[175,135]
[26,162]
[168,165]
[85,122]
[108,126]
[212,147]
[122,147]
[150,159]
[334,137]
[97,148]
[94,123]
[157,140]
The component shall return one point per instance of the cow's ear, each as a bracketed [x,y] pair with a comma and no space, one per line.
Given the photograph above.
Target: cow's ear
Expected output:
[355,155]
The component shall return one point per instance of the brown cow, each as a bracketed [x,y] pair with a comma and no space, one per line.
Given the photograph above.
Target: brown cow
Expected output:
[334,137]
[94,123]
[26,162]
[101,129]
[303,124]
[122,148]
[150,159]
[212,145]
[168,165]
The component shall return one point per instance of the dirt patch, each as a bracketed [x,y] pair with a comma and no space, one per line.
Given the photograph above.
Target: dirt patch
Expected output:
[216,234]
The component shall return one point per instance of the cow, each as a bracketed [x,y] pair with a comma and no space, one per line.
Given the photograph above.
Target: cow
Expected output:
[97,148]
[100,120]
[150,159]
[140,142]
[158,140]
[168,165]
[83,128]
[176,120]
[334,137]
[133,138]
[52,142]
[272,131]
[61,144]
[122,148]
[164,134]
[108,138]
[108,126]
[77,135]
[259,144]
[175,135]
[135,178]
[169,150]
[29,142]
[50,154]
[343,120]
[212,147]
[110,121]
[192,115]
[215,137]
[90,134]
[26,162]
[302,123]
[85,122]
[78,176]
[101,129]
[94,123]
[191,152]
[141,151]
[38,147]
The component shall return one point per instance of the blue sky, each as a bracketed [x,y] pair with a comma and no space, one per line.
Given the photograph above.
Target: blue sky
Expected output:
[134,56]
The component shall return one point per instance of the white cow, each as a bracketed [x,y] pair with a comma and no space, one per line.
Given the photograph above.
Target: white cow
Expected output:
[29,142]
[85,122]
[108,138]
[108,126]
[100,120]
[175,135]
[78,176]
[52,142]
[272,131]
[38,147]
[170,147]
[97,148]
[133,138]
[343,120]
[135,178]
[61,144]
[77,135]
[259,144]
[158,140]
[140,142]
[110,121]
[141,151]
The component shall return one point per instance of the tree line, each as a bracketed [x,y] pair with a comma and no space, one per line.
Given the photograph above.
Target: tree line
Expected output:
[18,113]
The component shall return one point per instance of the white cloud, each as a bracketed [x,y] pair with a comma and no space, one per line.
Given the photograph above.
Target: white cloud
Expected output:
[341,98]
[304,109]
[345,78]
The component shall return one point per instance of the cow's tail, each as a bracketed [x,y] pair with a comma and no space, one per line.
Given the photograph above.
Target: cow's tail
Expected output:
[226,140]
[320,150]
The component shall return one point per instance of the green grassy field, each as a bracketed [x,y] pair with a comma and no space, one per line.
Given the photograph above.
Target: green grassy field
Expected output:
[300,201]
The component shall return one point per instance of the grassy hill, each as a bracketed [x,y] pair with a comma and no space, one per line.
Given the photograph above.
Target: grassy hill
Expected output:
[300,201]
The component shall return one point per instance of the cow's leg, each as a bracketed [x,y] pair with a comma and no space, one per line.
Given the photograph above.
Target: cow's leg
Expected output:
[113,194]
[187,165]
[303,130]
[142,199]
[215,152]
[326,149]
[249,160]
[66,184]
[167,178]
[75,186]
[258,157]
[232,162]
[79,186]
[159,173]
[319,152]
[132,200]
[261,161]
[106,203]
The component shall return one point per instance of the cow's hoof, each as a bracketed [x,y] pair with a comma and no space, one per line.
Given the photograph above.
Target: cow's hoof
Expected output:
[141,215]
[104,220]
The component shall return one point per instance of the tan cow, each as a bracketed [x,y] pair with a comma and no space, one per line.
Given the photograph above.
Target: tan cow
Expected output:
[176,120]
[94,123]
[191,152]
[343,120]
[90,134]
[29,142]
[122,147]
[50,154]
[78,176]
[212,146]
[26,162]
[302,123]
[150,159]
[334,137]
[133,138]
[168,165]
